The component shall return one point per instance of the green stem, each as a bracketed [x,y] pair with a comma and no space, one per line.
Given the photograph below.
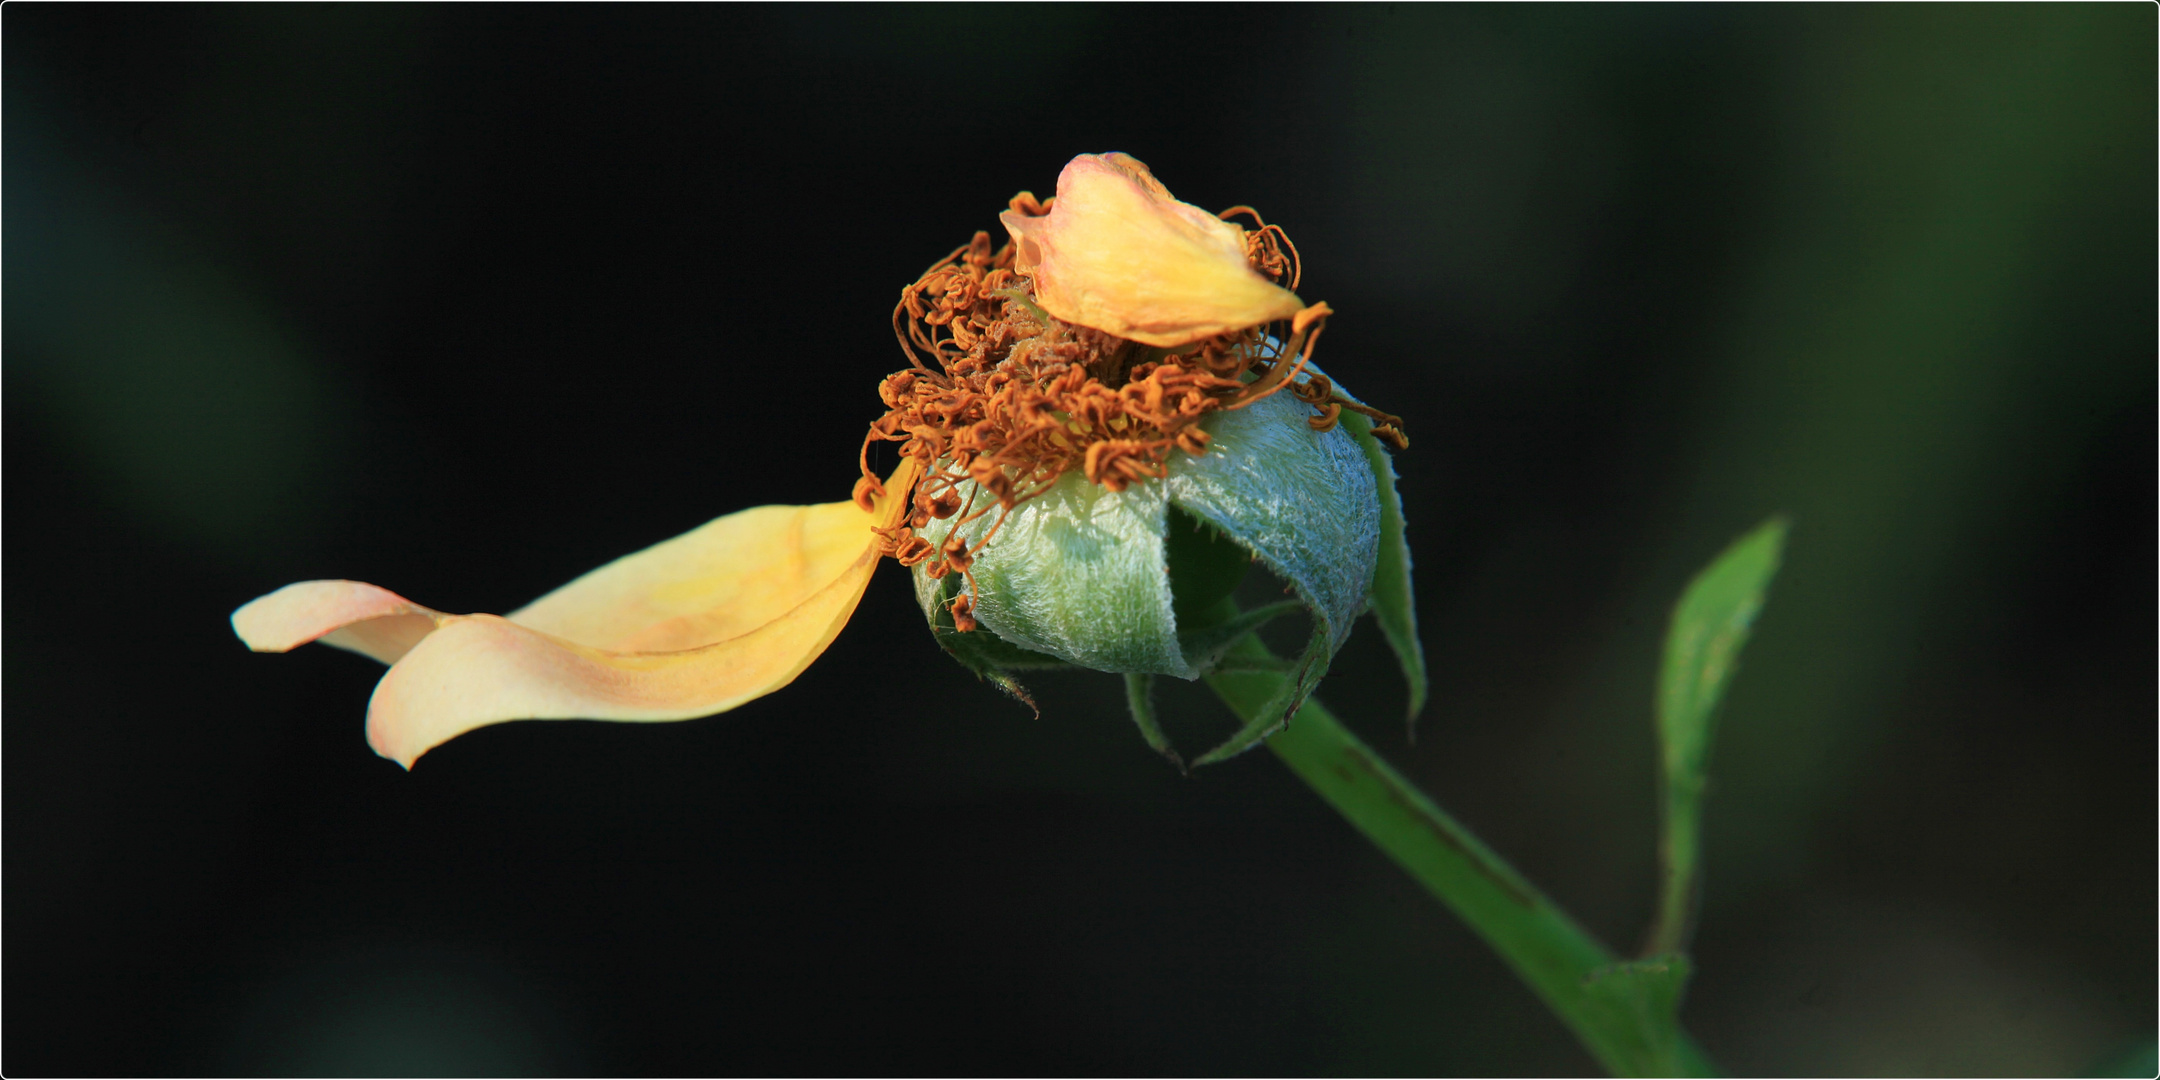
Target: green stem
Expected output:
[1547,949]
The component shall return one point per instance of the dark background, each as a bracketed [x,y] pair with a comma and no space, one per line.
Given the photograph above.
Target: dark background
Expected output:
[468,300]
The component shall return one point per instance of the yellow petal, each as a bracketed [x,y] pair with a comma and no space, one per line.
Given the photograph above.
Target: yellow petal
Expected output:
[1119,254]
[696,625]
[722,579]
[484,669]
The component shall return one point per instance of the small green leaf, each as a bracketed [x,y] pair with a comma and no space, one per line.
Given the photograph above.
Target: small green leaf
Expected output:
[1710,625]
[1394,606]
[1552,953]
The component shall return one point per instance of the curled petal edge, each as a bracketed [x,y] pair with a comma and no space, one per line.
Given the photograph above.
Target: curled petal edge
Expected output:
[354,615]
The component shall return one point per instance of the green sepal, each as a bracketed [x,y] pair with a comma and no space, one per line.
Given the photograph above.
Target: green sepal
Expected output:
[1275,715]
[1234,665]
[976,649]
[1205,645]
[1305,503]
[1394,604]
[1078,572]
[990,657]
[1140,698]
[981,650]
[1302,501]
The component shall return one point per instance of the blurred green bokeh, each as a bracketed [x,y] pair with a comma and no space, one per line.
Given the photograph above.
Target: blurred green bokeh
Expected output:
[378,292]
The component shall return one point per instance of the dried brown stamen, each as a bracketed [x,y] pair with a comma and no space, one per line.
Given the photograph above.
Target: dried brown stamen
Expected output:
[1001,395]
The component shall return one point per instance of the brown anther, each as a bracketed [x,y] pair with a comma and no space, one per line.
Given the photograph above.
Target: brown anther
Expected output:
[1391,435]
[1264,247]
[896,387]
[1316,388]
[867,490]
[956,553]
[906,547]
[963,613]
[1117,464]
[1382,417]
[1326,420]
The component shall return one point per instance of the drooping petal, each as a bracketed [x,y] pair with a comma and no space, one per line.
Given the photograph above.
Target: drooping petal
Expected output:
[367,619]
[1119,254]
[696,625]
[484,669]
[718,581]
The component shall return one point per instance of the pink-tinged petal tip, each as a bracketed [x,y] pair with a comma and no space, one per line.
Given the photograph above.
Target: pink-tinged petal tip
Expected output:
[354,615]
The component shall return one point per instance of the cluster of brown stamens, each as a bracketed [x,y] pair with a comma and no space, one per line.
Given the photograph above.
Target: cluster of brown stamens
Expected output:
[1016,399]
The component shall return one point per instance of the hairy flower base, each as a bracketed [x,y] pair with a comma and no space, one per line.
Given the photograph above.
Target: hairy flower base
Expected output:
[1093,578]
